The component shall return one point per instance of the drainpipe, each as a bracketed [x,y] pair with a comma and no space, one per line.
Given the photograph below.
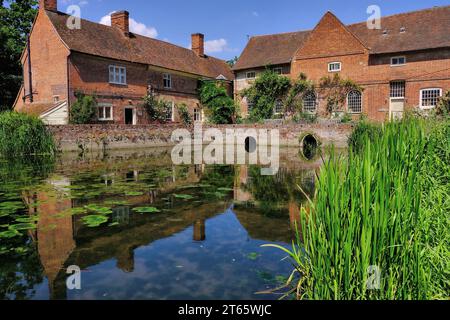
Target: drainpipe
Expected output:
[30,75]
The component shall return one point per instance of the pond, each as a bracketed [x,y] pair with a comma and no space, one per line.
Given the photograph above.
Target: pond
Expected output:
[139,227]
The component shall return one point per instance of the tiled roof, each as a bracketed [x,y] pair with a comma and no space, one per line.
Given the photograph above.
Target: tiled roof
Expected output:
[424,29]
[110,42]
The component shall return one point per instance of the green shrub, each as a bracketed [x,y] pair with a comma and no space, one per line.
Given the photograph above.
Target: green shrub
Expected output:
[305,117]
[22,134]
[364,130]
[220,108]
[346,118]
[443,106]
[84,110]
[184,114]
[157,109]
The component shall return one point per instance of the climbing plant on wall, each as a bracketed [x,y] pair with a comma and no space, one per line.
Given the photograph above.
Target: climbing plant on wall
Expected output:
[264,92]
[334,91]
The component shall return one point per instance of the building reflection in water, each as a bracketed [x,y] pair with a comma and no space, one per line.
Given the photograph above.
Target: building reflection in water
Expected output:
[199,230]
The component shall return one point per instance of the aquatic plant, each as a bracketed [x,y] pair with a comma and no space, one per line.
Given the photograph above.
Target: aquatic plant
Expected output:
[22,135]
[383,211]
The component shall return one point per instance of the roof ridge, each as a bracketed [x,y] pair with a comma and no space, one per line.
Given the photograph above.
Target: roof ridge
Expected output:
[280,33]
[403,14]
[134,34]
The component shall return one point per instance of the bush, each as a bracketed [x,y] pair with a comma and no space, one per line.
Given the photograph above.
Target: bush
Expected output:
[158,110]
[22,134]
[184,114]
[305,117]
[363,130]
[220,108]
[84,110]
[346,118]
[443,106]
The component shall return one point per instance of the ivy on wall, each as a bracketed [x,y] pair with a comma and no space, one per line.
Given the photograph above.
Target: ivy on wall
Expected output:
[220,108]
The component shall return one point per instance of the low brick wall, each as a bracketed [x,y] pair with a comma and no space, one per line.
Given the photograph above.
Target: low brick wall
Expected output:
[112,136]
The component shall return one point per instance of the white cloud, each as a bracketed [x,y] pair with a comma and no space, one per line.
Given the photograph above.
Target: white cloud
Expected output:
[255,14]
[218,45]
[135,27]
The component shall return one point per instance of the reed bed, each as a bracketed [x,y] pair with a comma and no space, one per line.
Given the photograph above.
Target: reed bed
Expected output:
[384,207]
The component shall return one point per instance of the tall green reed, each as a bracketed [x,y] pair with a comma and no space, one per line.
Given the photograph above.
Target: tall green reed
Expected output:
[373,208]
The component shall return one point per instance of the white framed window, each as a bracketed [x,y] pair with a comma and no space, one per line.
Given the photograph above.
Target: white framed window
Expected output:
[117,75]
[167,81]
[398,61]
[197,114]
[170,113]
[429,97]
[334,67]
[278,70]
[397,89]
[354,101]
[250,75]
[278,106]
[105,112]
[310,102]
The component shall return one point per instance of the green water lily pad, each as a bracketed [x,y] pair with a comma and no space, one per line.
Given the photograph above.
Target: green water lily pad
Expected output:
[225,189]
[9,234]
[133,193]
[98,209]
[113,224]
[183,196]
[253,256]
[22,226]
[146,209]
[94,220]
[116,202]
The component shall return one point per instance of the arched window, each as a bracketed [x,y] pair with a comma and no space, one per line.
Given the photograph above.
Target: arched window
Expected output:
[278,106]
[354,101]
[310,102]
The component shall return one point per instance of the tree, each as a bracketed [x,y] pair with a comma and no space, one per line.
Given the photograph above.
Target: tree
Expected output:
[232,62]
[264,92]
[220,108]
[17,18]
[84,110]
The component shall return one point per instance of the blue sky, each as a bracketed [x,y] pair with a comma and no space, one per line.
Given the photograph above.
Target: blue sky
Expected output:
[226,24]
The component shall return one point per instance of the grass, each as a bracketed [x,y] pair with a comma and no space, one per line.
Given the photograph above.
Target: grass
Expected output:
[23,135]
[387,205]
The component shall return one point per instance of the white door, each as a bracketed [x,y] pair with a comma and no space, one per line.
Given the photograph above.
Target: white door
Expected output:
[396,108]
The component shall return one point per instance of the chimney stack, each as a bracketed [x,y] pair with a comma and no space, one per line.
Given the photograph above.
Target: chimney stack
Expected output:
[198,44]
[51,5]
[121,20]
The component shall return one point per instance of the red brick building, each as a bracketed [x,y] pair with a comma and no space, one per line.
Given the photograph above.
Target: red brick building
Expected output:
[112,63]
[403,65]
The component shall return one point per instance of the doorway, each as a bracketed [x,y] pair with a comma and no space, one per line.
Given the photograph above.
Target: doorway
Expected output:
[130,116]
[396,108]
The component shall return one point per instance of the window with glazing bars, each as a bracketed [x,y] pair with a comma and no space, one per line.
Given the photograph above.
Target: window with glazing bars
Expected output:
[397,89]
[354,101]
[310,102]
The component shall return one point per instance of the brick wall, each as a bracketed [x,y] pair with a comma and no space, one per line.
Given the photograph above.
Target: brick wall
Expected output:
[113,136]
[49,66]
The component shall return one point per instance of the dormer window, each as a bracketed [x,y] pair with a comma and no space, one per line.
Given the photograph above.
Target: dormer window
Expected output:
[334,67]
[398,61]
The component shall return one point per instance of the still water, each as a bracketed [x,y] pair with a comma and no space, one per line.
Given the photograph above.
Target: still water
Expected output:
[142,228]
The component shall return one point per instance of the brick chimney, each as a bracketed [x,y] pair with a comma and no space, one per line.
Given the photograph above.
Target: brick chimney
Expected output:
[198,44]
[121,20]
[51,5]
